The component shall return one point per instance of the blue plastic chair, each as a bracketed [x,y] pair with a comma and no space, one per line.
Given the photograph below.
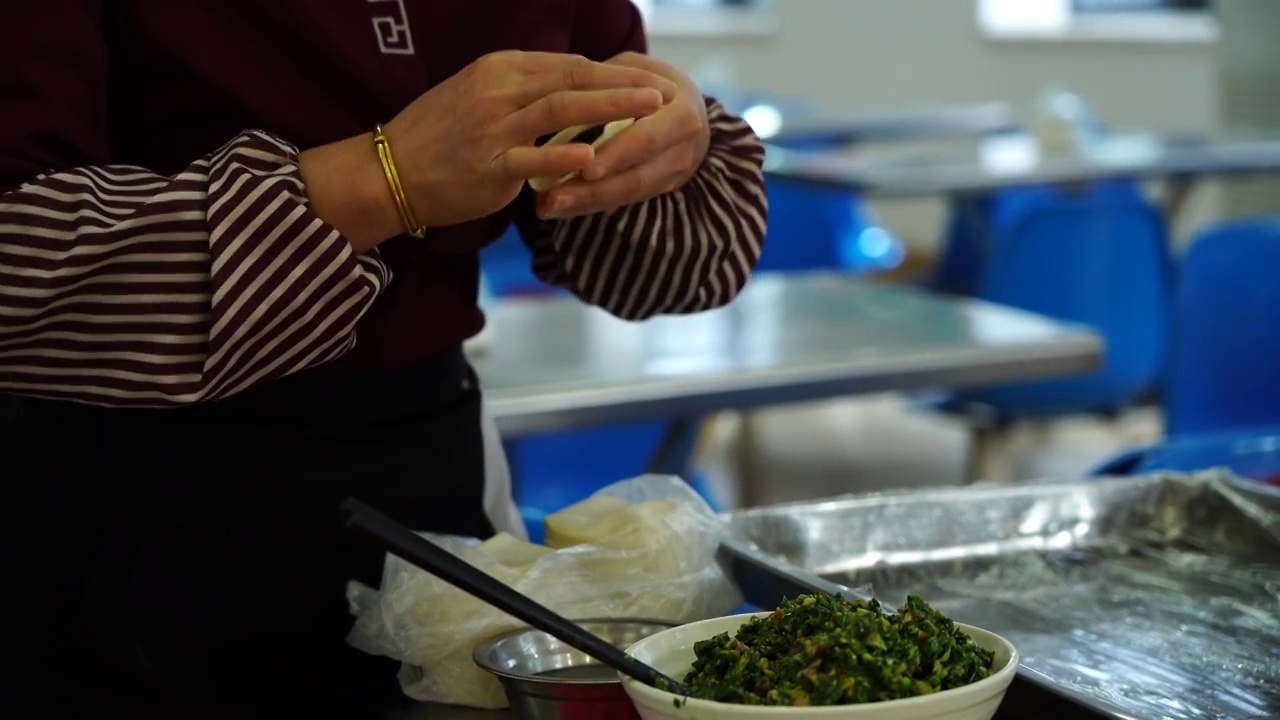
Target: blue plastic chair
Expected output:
[506,266]
[813,227]
[1252,454]
[973,220]
[817,228]
[1099,259]
[964,249]
[554,471]
[1227,338]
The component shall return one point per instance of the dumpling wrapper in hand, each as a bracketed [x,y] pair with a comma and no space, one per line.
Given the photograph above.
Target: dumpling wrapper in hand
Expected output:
[568,135]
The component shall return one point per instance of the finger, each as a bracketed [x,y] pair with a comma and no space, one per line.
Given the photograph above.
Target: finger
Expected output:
[546,73]
[570,108]
[644,141]
[524,162]
[641,61]
[638,184]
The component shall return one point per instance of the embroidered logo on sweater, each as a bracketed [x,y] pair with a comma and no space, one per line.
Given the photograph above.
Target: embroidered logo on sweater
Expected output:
[392,30]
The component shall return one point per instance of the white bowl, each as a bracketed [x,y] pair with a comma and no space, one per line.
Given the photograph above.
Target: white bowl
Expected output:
[671,651]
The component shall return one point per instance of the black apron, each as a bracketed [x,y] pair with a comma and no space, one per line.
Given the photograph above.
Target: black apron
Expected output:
[190,562]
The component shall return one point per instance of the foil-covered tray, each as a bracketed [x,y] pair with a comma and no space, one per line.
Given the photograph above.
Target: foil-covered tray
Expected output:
[1156,596]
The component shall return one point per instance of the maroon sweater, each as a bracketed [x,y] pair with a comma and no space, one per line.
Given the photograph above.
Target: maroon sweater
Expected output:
[156,247]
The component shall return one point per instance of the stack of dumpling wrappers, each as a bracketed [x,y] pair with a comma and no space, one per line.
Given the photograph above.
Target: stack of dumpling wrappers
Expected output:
[604,557]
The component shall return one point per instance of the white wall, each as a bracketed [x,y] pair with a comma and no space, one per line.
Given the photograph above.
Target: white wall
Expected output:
[1250,103]
[878,55]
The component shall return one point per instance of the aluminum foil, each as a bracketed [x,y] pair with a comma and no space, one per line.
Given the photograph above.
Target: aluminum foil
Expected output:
[1143,597]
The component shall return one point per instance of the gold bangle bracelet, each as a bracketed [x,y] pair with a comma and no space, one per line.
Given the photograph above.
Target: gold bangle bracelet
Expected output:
[411,225]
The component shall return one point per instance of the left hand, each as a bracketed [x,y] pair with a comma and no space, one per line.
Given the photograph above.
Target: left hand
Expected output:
[657,155]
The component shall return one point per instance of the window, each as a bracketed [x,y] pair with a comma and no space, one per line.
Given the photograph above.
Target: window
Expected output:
[695,18]
[1168,21]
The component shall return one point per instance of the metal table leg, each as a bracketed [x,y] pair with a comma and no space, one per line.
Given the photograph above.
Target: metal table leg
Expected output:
[671,457]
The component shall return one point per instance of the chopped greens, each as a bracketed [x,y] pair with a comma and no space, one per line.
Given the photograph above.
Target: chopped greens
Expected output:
[825,650]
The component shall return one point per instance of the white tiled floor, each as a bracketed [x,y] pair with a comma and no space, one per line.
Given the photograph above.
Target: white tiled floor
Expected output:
[872,443]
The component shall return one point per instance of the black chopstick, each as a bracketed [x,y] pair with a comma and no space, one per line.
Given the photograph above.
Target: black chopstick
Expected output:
[404,543]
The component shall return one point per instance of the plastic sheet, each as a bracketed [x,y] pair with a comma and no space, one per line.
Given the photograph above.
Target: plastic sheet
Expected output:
[1155,596]
[665,571]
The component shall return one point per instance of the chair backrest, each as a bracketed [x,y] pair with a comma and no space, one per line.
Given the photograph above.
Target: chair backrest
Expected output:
[810,228]
[815,227]
[507,268]
[1227,337]
[804,224]
[973,219]
[1099,259]
[820,228]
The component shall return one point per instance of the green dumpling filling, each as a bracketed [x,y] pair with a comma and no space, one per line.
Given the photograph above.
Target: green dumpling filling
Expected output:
[825,650]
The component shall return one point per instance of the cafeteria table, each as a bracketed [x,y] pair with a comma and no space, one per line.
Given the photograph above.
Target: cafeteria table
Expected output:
[936,123]
[557,364]
[1016,159]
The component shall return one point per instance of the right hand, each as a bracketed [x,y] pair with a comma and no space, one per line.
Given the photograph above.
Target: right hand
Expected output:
[464,148]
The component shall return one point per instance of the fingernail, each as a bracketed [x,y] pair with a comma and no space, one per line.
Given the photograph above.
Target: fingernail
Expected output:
[668,89]
[556,207]
[594,172]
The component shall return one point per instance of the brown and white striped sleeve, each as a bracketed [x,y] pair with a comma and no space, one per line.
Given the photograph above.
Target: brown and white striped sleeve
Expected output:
[683,252]
[119,286]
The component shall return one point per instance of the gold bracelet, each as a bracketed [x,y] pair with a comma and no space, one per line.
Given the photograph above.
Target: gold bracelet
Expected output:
[411,225]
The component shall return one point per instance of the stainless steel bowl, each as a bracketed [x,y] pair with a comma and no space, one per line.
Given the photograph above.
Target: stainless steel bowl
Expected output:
[547,680]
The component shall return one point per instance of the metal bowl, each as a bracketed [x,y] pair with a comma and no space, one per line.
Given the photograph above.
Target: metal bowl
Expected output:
[547,680]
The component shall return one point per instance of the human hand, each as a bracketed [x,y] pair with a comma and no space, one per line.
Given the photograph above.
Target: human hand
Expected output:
[464,148]
[657,155]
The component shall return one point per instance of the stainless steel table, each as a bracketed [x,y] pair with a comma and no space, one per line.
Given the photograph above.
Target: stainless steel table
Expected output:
[1010,160]
[558,364]
[928,123]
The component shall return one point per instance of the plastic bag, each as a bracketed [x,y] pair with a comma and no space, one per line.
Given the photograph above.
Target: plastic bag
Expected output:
[660,566]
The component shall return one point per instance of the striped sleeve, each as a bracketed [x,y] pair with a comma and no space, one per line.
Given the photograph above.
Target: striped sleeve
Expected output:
[683,252]
[122,287]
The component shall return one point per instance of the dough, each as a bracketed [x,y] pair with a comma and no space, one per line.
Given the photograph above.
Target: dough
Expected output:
[568,135]
[606,557]
[628,537]
[513,552]
[605,520]
[638,557]
[577,524]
